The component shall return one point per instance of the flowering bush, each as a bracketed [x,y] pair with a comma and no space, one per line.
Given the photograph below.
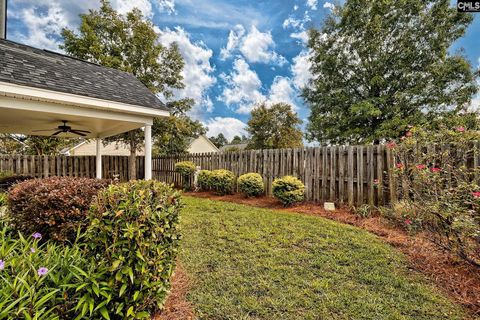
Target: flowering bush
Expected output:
[440,187]
[55,206]
[203,180]
[288,190]
[133,236]
[186,170]
[251,184]
[222,181]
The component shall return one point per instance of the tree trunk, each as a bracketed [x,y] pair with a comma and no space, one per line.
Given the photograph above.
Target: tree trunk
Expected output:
[132,159]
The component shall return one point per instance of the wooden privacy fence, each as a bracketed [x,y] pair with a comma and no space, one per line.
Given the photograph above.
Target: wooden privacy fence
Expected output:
[69,166]
[353,175]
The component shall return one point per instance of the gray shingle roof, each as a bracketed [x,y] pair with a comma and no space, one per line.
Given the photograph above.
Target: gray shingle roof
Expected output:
[24,65]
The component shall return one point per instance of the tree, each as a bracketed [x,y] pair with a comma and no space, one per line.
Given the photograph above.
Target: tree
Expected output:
[274,127]
[129,43]
[236,140]
[219,141]
[173,134]
[379,66]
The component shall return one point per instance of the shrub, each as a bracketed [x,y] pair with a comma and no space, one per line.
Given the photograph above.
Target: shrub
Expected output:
[439,190]
[203,180]
[55,207]
[288,190]
[8,181]
[186,170]
[3,199]
[4,174]
[133,232]
[222,181]
[251,184]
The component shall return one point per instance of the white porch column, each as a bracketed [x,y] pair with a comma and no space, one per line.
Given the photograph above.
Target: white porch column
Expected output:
[148,152]
[99,158]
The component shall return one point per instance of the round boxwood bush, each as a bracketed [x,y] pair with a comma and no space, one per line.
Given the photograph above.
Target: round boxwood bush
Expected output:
[222,181]
[288,190]
[203,180]
[251,184]
[186,170]
[133,233]
[55,206]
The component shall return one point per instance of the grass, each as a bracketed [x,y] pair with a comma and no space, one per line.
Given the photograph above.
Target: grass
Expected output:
[251,263]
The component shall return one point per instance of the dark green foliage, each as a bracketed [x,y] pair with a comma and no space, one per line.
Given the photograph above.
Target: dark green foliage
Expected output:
[251,184]
[222,181]
[289,190]
[56,207]
[274,127]
[219,141]
[204,180]
[133,235]
[9,180]
[379,66]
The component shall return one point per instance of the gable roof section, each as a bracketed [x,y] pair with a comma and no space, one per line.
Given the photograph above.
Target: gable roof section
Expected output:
[28,66]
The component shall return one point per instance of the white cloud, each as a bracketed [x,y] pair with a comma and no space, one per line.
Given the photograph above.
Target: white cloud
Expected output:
[295,7]
[329,5]
[292,22]
[242,87]
[301,69]
[475,104]
[124,6]
[282,90]
[197,72]
[312,4]
[255,46]
[302,36]
[230,127]
[167,6]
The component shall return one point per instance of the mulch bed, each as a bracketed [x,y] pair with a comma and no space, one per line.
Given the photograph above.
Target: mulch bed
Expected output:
[458,279]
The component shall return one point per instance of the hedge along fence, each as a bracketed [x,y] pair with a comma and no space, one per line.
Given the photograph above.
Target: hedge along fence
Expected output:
[347,175]
[69,166]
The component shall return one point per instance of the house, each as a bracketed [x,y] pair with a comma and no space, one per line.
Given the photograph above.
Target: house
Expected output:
[50,94]
[88,148]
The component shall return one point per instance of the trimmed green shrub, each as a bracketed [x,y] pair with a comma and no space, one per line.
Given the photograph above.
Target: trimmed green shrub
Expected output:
[9,180]
[3,199]
[186,170]
[203,180]
[288,190]
[4,174]
[55,207]
[133,233]
[251,184]
[222,181]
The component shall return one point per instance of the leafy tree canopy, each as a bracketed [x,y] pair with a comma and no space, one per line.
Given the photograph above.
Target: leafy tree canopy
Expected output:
[219,141]
[379,66]
[274,127]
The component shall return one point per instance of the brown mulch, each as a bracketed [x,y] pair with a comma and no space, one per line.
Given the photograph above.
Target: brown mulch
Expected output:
[458,279]
[177,307]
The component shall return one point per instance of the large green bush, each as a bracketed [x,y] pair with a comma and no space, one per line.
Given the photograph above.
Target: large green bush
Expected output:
[186,170]
[204,180]
[251,184]
[133,233]
[288,190]
[55,206]
[222,181]
[439,187]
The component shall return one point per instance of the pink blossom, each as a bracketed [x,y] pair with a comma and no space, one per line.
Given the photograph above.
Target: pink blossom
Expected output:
[435,169]
[399,166]
[408,222]
[42,271]
[460,129]
[391,145]
[409,133]
[375,182]
[476,194]
[421,166]
[37,235]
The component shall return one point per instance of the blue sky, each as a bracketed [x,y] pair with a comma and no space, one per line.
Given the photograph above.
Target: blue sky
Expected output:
[237,53]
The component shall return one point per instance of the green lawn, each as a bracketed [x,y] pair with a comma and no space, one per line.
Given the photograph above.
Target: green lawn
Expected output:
[250,263]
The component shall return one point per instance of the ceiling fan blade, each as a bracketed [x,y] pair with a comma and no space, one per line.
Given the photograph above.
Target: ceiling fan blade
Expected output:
[84,131]
[78,133]
[57,133]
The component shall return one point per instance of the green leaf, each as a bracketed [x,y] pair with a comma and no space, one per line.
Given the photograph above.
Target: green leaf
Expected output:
[122,290]
[104,313]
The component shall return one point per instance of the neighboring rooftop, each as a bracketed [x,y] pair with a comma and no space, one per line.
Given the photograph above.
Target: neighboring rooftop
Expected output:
[28,66]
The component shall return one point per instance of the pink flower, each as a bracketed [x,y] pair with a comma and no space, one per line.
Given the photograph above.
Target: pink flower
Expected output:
[42,271]
[476,194]
[37,235]
[435,169]
[408,222]
[391,145]
[375,182]
[421,166]
[32,250]
[460,129]
[409,133]
[399,166]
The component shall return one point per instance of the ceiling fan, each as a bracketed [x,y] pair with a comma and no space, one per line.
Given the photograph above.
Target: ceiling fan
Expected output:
[64,128]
